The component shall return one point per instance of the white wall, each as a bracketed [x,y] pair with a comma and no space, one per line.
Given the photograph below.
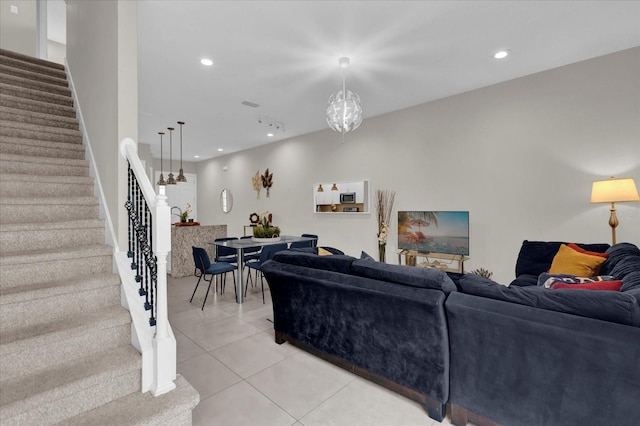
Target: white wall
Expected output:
[520,156]
[102,58]
[18,31]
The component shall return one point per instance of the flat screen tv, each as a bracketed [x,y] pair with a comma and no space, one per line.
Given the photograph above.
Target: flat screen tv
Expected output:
[434,231]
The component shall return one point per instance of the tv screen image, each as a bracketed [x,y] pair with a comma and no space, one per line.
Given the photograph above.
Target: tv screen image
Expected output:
[434,231]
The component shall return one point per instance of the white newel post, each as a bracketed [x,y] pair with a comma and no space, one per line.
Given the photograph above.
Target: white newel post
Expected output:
[164,347]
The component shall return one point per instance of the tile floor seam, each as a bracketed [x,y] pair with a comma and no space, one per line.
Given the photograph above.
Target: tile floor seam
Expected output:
[274,402]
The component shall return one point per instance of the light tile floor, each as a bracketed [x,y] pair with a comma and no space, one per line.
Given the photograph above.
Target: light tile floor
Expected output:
[227,352]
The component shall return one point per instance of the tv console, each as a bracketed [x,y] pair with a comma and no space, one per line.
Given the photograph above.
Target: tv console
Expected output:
[442,261]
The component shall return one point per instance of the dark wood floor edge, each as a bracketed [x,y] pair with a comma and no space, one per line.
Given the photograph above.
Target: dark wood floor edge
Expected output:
[460,416]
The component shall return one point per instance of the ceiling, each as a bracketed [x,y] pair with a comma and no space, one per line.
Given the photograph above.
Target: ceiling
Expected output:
[283,56]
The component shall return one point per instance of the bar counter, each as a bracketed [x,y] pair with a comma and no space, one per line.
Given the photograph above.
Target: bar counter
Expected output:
[183,237]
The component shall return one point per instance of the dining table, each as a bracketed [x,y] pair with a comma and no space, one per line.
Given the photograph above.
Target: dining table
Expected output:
[240,245]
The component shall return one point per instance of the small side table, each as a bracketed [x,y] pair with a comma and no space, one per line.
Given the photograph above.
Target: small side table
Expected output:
[442,261]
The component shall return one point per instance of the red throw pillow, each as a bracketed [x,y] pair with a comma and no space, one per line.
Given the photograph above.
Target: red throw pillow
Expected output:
[591,253]
[600,285]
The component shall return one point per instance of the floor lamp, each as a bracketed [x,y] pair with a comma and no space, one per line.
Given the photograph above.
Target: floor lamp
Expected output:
[614,190]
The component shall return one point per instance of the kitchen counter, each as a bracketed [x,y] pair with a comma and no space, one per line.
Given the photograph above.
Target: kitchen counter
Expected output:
[183,237]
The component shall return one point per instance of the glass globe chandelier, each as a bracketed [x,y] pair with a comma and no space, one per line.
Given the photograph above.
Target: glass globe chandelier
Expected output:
[344,112]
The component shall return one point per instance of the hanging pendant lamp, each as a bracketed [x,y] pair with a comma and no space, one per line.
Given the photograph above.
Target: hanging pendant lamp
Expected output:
[181,177]
[171,180]
[344,112]
[161,181]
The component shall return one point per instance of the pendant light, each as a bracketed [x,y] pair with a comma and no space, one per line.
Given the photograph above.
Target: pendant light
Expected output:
[181,177]
[161,181]
[171,180]
[344,112]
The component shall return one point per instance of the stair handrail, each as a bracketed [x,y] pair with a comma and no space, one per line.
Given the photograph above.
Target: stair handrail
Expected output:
[164,345]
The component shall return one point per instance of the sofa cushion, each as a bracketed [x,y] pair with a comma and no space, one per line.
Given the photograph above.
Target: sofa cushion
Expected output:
[617,253]
[546,280]
[336,263]
[570,261]
[631,281]
[616,307]
[581,250]
[625,267]
[525,280]
[535,257]
[401,274]
[599,285]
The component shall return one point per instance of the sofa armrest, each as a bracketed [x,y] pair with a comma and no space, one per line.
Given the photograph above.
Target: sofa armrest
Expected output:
[520,365]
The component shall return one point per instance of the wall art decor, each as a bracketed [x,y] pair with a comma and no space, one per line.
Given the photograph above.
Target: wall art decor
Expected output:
[267,181]
[257,183]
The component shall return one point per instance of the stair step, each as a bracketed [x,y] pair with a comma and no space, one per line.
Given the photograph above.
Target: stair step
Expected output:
[26,164]
[34,65]
[35,95]
[69,389]
[16,237]
[47,209]
[72,337]
[38,148]
[20,103]
[8,113]
[30,83]
[54,265]
[75,296]
[21,72]
[35,131]
[173,408]
[20,185]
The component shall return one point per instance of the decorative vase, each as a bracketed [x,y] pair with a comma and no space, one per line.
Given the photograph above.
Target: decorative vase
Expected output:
[382,252]
[266,240]
[183,220]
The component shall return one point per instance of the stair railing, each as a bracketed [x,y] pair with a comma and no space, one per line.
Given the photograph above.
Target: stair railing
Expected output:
[149,243]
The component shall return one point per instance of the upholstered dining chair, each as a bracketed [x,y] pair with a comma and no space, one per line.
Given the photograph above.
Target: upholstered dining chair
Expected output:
[314,242]
[250,253]
[204,267]
[226,254]
[267,253]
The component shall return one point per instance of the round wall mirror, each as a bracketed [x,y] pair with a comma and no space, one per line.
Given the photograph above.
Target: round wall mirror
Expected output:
[226,200]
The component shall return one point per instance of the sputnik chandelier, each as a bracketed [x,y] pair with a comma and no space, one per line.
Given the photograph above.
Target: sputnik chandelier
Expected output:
[170,179]
[344,112]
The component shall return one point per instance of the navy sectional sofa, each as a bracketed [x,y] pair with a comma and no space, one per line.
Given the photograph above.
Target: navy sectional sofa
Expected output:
[510,355]
[384,322]
[526,355]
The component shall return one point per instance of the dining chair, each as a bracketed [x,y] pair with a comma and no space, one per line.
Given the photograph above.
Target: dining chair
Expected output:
[314,242]
[226,254]
[204,267]
[301,244]
[250,253]
[266,254]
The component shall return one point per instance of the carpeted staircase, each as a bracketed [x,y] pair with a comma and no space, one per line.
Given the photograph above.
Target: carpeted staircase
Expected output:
[65,351]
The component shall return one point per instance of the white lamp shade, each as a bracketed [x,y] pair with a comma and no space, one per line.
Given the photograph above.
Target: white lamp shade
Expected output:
[614,190]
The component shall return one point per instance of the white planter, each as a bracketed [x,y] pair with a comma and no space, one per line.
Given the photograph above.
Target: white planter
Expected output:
[265,240]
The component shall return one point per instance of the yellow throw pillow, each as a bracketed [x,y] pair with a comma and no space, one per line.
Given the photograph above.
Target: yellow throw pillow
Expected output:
[571,262]
[323,252]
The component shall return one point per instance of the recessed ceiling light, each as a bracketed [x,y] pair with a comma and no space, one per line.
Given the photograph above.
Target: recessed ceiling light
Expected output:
[196,156]
[220,149]
[501,54]
[270,135]
[207,62]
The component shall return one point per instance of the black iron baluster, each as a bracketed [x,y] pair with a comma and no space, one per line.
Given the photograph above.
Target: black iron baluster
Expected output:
[129,190]
[140,249]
